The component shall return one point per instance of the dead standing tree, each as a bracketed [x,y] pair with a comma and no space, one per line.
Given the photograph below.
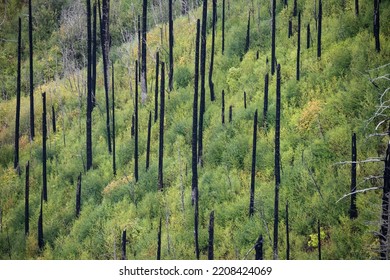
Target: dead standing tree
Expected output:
[17,113]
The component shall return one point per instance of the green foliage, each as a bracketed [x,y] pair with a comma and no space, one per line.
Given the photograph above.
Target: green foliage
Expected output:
[183,76]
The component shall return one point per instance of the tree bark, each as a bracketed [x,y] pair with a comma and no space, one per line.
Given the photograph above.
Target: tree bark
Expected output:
[41,242]
[136,124]
[53,119]
[89,89]
[161,136]
[156,88]
[223,106]
[265,107]
[230,113]
[295,8]
[308,37]
[253,171]
[377,25]
[211,237]
[78,196]
[353,213]
[113,122]
[31,48]
[356,7]
[211,83]
[17,117]
[26,201]
[94,58]
[171,43]
[139,48]
[247,40]
[244,99]
[124,240]
[144,83]
[273,34]
[223,27]
[289,28]
[44,138]
[148,141]
[319,239]
[287,235]
[299,45]
[259,248]
[384,229]
[159,242]
[277,164]
[319,33]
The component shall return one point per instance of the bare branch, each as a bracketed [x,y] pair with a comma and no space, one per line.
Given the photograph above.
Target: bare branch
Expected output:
[360,161]
[359,191]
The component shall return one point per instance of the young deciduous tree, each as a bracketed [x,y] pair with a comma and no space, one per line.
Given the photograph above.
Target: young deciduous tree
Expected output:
[31,48]
[17,113]
[277,164]
[353,213]
[161,136]
[253,171]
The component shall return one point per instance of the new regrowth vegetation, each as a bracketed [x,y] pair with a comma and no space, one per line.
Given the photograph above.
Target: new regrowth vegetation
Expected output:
[286,138]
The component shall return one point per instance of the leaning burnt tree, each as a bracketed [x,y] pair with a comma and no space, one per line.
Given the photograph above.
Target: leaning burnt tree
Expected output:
[44,138]
[299,45]
[319,29]
[89,89]
[202,108]
[353,213]
[211,83]
[143,54]
[17,113]
[277,164]
[105,36]
[170,24]
[273,35]
[31,48]
[161,136]
[253,171]
[194,142]
[136,124]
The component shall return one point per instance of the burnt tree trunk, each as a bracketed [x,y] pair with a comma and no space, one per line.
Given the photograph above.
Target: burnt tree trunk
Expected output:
[78,196]
[230,113]
[319,239]
[223,27]
[161,136]
[277,164]
[196,223]
[211,237]
[211,83]
[253,171]
[194,142]
[265,107]
[143,64]
[136,124]
[287,235]
[289,28]
[113,122]
[184,7]
[295,8]
[159,242]
[247,40]
[104,31]
[319,28]
[171,43]
[244,99]
[299,45]
[26,201]
[383,236]
[53,119]
[94,58]
[223,107]
[376,25]
[31,48]
[308,36]
[156,88]
[259,248]
[356,7]
[41,242]
[17,117]
[273,34]
[353,213]
[202,108]
[89,89]
[44,138]
[132,126]
[139,47]
[148,141]
[124,240]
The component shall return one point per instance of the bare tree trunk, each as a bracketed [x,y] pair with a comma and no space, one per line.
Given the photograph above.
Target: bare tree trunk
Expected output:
[353,213]
[156,88]
[148,141]
[94,58]
[319,33]
[259,248]
[139,48]
[356,7]
[230,113]
[30,39]
[211,84]
[41,242]
[295,8]
[223,27]
[195,117]
[299,45]
[277,164]
[247,40]
[17,117]
[244,99]
[113,122]
[223,106]
[144,83]
[124,245]
[161,136]
[253,171]
[376,25]
[384,229]
[265,107]
[26,201]
[159,242]
[287,234]
[171,44]
[136,125]
[53,119]
[273,35]
[289,28]
[44,138]
[211,237]
[308,37]
[89,88]
[78,196]
[319,239]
